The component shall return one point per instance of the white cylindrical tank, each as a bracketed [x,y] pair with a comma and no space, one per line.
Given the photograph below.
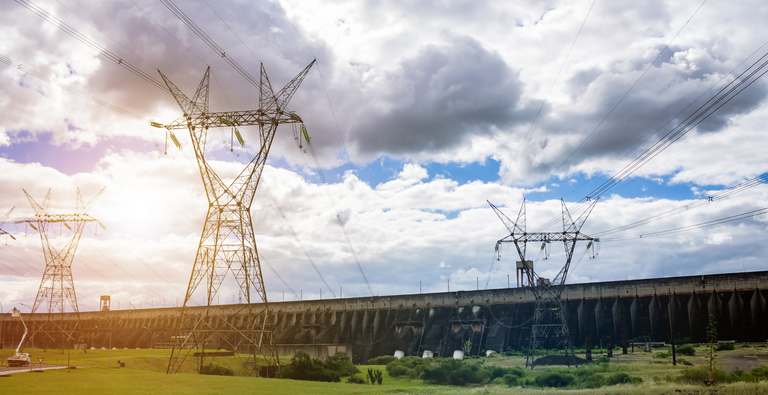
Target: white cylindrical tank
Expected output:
[489,352]
[399,354]
[458,354]
[428,354]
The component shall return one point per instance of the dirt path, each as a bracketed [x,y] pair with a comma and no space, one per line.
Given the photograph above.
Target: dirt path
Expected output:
[745,359]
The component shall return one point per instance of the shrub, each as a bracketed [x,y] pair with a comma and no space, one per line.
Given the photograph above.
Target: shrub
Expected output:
[622,378]
[554,379]
[725,347]
[382,360]
[761,372]
[662,354]
[375,376]
[593,381]
[603,359]
[687,340]
[395,370]
[698,375]
[357,380]
[216,370]
[304,367]
[510,380]
[686,350]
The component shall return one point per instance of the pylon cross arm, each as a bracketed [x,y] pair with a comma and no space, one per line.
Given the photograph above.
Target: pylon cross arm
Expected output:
[545,236]
[235,118]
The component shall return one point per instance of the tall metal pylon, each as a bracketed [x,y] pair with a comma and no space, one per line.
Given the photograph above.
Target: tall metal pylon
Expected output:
[57,288]
[227,244]
[548,318]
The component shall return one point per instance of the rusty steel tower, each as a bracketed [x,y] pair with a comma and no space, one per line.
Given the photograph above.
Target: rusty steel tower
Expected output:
[548,318]
[57,288]
[227,244]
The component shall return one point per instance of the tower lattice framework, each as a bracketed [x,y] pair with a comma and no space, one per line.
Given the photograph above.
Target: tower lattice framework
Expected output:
[57,288]
[227,244]
[549,323]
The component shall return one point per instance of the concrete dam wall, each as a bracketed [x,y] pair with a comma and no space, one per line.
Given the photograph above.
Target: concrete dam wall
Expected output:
[497,319]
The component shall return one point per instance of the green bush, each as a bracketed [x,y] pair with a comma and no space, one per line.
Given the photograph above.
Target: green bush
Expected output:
[340,362]
[382,360]
[760,372]
[686,350]
[554,379]
[662,354]
[216,370]
[304,367]
[603,359]
[593,381]
[510,380]
[357,380]
[698,375]
[396,370]
[622,378]
[725,347]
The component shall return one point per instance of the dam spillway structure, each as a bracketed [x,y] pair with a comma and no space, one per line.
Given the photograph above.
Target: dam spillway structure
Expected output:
[493,319]
[227,244]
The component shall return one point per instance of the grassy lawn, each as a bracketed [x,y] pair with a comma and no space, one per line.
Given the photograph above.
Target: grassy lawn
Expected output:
[139,378]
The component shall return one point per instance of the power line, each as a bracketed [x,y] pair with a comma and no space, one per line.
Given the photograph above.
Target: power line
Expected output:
[553,82]
[749,76]
[714,197]
[632,87]
[218,49]
[90,43]
[702,225]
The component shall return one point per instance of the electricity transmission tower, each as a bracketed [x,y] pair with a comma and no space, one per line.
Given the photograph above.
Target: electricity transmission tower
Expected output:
[227,244]
[548,319]
[57,289]
[2,222]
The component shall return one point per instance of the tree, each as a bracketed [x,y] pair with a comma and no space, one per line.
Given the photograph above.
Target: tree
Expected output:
[467,347]
[712,329]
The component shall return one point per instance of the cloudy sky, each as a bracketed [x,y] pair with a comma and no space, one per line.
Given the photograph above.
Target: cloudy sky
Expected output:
[419,112]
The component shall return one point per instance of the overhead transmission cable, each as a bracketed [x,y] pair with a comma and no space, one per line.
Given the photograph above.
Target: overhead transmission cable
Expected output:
[290,228]
[555,220]
[344,145]
[633,86]
[553,82]
[74,33]
[714,197]
[737,217]
[676,116]
[92,44]
[743,81]
[282,214]
[218,49]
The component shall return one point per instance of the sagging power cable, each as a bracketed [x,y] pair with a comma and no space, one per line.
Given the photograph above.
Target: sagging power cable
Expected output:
[720,221]
[714,197]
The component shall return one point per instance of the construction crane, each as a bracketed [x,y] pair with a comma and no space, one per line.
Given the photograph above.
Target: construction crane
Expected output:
[548,318]
[227,243]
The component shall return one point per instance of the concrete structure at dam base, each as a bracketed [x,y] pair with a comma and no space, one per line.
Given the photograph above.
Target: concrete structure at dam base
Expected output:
[497,319]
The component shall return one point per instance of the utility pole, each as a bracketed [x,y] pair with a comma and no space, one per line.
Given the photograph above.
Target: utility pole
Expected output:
[57,288]
[548,318]
[227,244]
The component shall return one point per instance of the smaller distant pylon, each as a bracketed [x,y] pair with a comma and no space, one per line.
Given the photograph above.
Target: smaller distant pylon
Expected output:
[57,288]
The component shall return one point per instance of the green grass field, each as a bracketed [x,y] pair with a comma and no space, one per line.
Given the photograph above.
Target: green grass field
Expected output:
[138,377]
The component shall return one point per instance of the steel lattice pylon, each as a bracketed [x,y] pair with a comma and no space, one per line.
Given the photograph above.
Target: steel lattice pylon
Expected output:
[548,318]
[227,244]
[57,288]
